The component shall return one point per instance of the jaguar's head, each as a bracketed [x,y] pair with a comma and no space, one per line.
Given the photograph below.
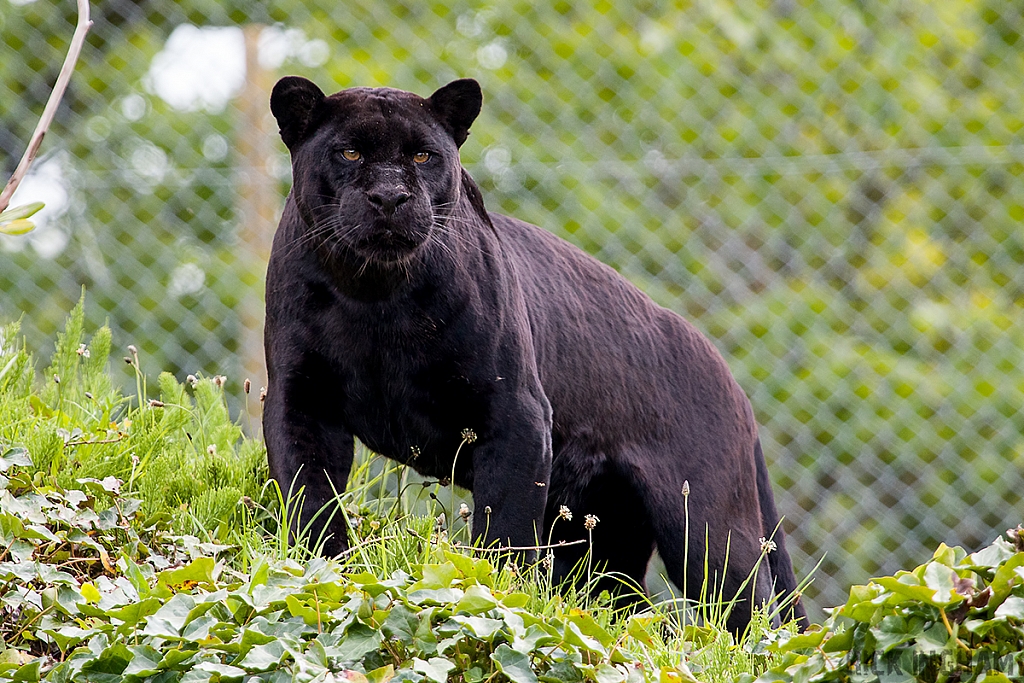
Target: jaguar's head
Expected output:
[374,170]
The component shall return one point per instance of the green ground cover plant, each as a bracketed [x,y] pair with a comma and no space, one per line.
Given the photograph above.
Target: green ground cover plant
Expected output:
[140,539]
[957,618]
[175,449]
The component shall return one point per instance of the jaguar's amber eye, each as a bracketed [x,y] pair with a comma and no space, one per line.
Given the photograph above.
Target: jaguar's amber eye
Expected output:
[351,155]
[420,157]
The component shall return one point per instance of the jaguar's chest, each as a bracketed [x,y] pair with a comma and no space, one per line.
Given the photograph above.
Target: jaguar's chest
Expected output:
[409,391]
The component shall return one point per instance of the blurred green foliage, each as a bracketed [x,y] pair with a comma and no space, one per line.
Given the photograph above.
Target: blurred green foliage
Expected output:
[833,190]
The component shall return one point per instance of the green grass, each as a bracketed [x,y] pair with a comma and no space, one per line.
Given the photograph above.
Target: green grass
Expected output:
[174,446]
[190,510]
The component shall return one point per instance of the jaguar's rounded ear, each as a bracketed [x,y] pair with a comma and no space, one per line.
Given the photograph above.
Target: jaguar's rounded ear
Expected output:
[457,105]
[293,102]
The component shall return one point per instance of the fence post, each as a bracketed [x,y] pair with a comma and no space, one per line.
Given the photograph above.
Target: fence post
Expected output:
[257,209]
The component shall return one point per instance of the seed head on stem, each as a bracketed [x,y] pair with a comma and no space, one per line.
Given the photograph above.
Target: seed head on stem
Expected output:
[589,522]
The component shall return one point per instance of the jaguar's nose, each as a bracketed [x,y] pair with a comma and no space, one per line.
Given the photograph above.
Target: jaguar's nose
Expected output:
[388,200]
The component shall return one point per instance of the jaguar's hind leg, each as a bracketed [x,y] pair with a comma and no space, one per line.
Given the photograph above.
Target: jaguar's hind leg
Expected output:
[609,516]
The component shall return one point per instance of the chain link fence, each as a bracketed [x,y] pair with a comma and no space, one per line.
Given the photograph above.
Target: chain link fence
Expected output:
[832,190]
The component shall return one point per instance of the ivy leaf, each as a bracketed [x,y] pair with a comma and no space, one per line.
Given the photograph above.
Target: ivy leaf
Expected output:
[28,672]
[145,662]
[992,556]
[199,628]
[895,630]
[934,641]
[477,599]
[424,640]
[948,556]
[436,668]
[478,568]
[350,676]
[14,457]
[589,626]
[252,638]
[169,619]
[479,627]
[940,579]
[260,574]
[435,596]
[513,664]
[637,627]
[132,613]
[1005,579]
[301,608]
[68,636]
[994,677]
[359,641]
[436,576]
[1012,607]
[174,659]
[381,675]
[900,585]
[575,636]
[226,672]
[135,575]
[111,660]
[263,657]
[27,507]
[606,673]
[199,570]
[534,637]
[90,593]
[401,623]
[840,642]
[514,600]
[374,586]
[108,486]
[562,671]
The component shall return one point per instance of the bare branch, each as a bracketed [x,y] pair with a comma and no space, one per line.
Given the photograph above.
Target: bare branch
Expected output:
[506,549]
[77,41]
[519,548]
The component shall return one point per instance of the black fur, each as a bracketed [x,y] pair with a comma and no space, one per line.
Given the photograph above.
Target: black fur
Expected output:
[401,312]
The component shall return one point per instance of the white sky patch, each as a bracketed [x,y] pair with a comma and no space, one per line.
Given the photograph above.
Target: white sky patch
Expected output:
[278,44]
[199,68]
[187,278]
[133,107]
[45,183]
[204,68]
[492,56]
